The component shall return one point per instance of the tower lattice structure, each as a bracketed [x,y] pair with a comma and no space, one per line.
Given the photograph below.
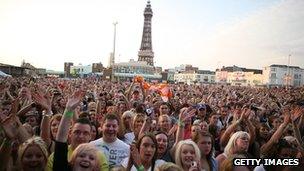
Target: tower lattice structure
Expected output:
[145,52]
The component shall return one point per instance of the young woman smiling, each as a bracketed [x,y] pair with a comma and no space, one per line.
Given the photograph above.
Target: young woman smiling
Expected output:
[143,155]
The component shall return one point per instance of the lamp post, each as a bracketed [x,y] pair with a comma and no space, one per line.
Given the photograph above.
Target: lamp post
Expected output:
[112,62]
[288,77]
[114,42]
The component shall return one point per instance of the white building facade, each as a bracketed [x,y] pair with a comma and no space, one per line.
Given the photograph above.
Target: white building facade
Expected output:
[128,70]
[201,76]
[238,76]
[81,70]
[283,75]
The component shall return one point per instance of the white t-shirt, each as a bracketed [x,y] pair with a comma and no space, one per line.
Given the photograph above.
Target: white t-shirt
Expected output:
[129,137]
[115,152]
[158,163]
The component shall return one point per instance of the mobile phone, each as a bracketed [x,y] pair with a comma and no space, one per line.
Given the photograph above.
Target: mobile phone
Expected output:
[194,164]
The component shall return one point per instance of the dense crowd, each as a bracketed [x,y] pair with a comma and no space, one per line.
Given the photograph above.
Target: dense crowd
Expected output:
[91,124]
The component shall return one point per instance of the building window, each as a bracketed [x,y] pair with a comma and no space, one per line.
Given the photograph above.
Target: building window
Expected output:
[296,76]
[273,75]
[273,69]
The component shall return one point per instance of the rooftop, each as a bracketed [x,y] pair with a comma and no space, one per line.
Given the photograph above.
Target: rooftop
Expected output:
[284,66]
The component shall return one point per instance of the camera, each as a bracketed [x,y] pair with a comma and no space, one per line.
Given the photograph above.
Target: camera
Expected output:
[194,164]
[149,111]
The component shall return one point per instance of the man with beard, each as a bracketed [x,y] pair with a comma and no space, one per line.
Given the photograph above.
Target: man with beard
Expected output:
[114,149]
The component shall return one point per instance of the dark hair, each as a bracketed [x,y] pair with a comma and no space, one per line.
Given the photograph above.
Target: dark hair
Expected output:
[135,104]
[152,136]
[109,103]
[96,127]
[112,117]
[84,115]
[196,138]
[162,132]
[83,121]
[274,151]
[167,104]
[140,108]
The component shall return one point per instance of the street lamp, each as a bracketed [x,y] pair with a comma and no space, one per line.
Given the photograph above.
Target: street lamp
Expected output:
[114,42]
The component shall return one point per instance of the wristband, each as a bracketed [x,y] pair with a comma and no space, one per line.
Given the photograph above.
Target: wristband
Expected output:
[69,114]
[180,123]
[141,168]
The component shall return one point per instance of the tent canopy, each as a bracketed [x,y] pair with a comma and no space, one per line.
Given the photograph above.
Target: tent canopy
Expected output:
[2,74]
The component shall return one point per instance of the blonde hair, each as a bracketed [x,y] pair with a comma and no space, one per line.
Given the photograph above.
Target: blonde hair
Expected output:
[57,117]
[178,151]
[127,113]
[169,167]
[227,164]
[232,142]
[86,147]
[136,117]
[30,142]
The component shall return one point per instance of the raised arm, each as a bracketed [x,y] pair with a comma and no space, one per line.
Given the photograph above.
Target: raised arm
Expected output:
[143,91]
[226,135]
[185,113]
[251,130]
[13,130]
[277,135]
[301,120]
[129,91]
[12,125]
[64,125]
[126,100]
[297,133]
[25,109]
[9,94]
[145,128]
[45,101]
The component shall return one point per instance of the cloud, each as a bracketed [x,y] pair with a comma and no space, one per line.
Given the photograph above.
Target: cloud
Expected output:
[265,37]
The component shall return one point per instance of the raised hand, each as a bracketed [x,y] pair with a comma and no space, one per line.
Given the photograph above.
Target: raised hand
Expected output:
[245,114]
[10,125]
[296,113]
[135,157]
[14,106]
[44,100]
[173,130]
[74,100]
[186,113]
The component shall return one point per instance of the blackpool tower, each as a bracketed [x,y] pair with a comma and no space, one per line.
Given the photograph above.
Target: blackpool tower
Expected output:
[145,52]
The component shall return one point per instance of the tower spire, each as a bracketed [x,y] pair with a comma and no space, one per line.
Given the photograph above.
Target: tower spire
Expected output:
[145,52]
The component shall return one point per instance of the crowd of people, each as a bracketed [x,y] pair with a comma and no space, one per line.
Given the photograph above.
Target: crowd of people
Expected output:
[91,124]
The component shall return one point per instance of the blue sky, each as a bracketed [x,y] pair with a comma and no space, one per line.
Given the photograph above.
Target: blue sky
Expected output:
[205,33]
